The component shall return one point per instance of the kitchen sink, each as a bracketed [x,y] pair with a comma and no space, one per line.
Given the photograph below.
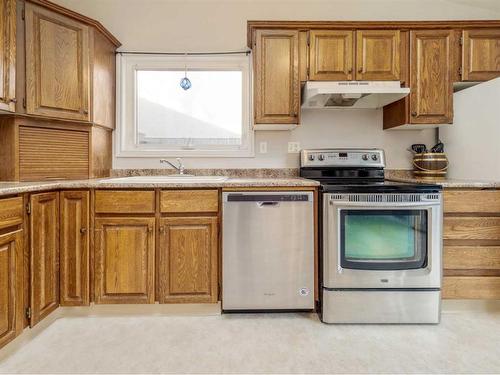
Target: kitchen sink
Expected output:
[164,179]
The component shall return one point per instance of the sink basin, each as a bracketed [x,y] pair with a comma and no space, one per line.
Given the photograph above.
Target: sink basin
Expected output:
[164,179]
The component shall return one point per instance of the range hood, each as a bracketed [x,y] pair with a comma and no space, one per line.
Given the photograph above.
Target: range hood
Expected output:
[351,94]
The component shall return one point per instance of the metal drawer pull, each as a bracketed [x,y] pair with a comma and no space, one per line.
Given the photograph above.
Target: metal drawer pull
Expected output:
[83,230]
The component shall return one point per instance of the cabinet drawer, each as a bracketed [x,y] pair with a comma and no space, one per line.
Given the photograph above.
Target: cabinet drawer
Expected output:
[471,228]
[487,201]
[11,212]
[458,287]
[471,257]
[124,201]
[183,201]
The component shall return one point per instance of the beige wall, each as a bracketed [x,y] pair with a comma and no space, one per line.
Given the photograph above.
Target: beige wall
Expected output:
[220,25]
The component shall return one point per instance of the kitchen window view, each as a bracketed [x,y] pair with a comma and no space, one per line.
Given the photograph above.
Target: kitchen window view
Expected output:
[209,116]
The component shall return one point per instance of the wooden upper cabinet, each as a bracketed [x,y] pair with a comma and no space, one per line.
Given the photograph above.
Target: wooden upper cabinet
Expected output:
[8,55]
[276,84]
[57,65]
[331,55]
[187,271]
[431,96]
[11,286]
[124,259]
[74,245]
[378,55]
[44,255]
[480,54]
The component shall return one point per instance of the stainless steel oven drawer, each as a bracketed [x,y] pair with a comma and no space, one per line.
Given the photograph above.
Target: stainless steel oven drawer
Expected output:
[417,306]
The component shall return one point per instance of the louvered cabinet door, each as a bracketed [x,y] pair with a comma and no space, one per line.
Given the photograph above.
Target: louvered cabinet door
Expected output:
[44,255]
[11,286]
[8,55]
[74,248]
[57,65]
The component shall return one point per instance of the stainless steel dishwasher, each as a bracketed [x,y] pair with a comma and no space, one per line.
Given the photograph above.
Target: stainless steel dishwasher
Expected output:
[268,251]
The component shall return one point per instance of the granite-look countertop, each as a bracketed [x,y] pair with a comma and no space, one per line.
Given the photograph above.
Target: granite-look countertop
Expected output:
[407,176]
[11,188]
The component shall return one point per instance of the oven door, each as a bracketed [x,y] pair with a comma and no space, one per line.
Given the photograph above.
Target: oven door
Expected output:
[382,241]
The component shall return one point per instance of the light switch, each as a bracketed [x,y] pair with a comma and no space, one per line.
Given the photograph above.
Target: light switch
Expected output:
[293,147]
[263,147]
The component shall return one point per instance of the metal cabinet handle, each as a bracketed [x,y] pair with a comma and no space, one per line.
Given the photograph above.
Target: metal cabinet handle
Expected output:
[13,100]
[414,113]
[162,229]
[85,111]
[360,70]
[83,230]
[349,71]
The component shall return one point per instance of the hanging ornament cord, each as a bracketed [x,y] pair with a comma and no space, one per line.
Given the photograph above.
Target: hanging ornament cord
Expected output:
[185,82]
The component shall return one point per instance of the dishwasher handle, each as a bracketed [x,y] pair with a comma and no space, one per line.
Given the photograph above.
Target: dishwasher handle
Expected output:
[268,204]
[268,198]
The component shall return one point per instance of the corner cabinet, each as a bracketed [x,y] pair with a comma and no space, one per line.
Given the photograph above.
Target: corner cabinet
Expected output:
[480,54]
[57,65]
[124,259]
[44,255]
[8,55]
[276,79]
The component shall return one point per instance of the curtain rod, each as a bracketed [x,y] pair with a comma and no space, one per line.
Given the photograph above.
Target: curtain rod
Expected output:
[247,52]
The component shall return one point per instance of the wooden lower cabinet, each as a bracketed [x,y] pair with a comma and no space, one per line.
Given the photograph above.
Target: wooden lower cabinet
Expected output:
[44,255]
[11,286]
[74,248]
[124,259]
[188,267]
[471,254]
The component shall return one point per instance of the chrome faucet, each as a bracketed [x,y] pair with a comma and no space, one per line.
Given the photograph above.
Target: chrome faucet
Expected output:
[179,168]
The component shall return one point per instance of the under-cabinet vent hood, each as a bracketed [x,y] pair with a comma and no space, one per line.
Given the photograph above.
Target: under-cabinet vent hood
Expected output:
[351,94]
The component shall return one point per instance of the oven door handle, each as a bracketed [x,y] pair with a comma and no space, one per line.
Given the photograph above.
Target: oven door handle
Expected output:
[376,205]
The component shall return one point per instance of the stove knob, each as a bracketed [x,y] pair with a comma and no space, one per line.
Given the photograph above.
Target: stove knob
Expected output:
[311,157]
[364,157]
[374,157]
[321,157]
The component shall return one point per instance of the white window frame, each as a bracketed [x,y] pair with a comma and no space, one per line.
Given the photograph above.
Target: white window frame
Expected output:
[126,145]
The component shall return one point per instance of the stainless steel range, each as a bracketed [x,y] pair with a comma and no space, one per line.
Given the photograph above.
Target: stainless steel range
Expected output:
[380,241]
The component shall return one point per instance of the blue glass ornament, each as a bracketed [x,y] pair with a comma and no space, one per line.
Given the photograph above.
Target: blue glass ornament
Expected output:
[185,83]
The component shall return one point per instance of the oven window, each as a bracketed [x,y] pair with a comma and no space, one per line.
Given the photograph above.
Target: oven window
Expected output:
[383,239]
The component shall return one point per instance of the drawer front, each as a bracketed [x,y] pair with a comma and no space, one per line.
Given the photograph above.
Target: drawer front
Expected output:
[124,201]
[471,258]
[463,201]
[481,287]
[182,201]
[11,212]
[472,228]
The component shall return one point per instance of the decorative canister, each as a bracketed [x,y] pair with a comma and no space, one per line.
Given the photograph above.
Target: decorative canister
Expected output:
[430,164]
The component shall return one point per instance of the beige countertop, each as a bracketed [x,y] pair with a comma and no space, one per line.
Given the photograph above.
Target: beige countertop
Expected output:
[11,188]
[407,176]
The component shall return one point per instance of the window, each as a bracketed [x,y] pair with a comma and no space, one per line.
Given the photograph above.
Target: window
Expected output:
[158,118]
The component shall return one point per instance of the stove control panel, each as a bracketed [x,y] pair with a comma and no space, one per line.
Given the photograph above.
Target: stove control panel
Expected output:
[342,158]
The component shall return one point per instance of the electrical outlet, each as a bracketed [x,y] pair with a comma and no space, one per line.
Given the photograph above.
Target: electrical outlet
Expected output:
[293,147]
[263,147]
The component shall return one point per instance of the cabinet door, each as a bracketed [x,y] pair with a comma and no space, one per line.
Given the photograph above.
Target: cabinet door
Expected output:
[188,260]
[8,55]
[57,65]
[331,55]
[480,55]
[378,55]
[431,96]
[74,252]
[124,260]
[44,254]
[11,286]
[277,85]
